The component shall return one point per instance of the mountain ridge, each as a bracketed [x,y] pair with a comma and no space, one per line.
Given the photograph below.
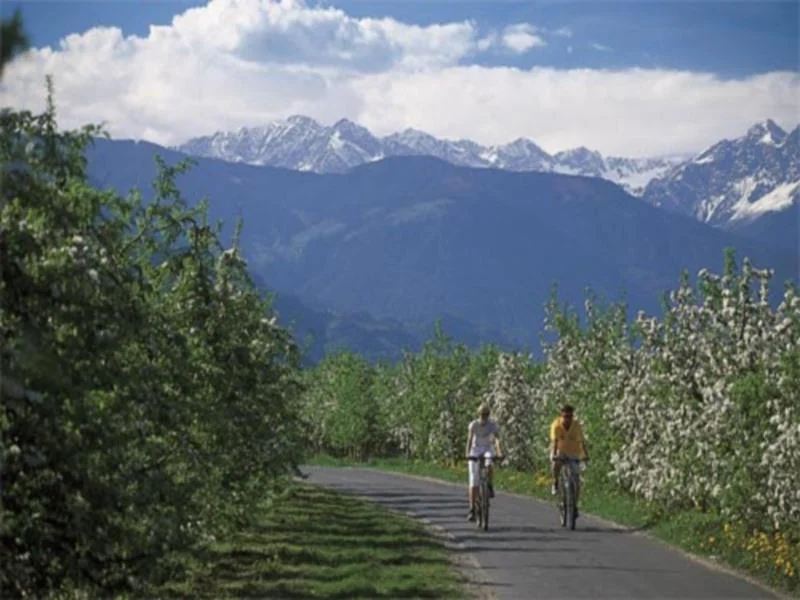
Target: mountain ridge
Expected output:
[302,143]
[412,238]
[738,182]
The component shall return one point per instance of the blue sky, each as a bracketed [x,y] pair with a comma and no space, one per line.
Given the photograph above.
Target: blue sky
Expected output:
[631,78]
[729,38]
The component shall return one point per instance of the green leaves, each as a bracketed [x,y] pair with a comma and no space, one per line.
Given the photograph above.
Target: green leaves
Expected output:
[149,399]
[13,39]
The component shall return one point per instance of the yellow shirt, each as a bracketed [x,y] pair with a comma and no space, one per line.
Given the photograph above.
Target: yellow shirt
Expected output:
[570,441]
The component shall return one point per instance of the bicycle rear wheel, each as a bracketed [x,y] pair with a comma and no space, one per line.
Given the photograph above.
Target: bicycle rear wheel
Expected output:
[485,506]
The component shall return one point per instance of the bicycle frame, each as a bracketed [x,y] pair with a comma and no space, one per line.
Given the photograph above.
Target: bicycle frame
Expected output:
[483,498]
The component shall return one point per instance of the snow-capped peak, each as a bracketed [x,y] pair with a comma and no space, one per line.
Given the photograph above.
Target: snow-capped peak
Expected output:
[582,158]
[345,125]
[301,120]
[766,132]
[300,142]
[523,146]
[749,176]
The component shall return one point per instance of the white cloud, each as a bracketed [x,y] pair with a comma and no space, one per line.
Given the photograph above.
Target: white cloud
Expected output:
[245,62]
[600,47]
[634,112]
[563,32]
[521,38]
[488,41]
[569,49]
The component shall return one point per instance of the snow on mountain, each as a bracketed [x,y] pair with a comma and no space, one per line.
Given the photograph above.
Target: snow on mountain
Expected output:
[780,198]
[412,142]
[301,143]
[734,180]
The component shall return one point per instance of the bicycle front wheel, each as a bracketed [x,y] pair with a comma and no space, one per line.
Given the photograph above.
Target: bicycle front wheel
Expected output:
[571,504]
[485,508]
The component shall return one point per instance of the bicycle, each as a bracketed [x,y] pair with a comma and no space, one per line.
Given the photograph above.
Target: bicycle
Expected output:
[482,500]
[567,490]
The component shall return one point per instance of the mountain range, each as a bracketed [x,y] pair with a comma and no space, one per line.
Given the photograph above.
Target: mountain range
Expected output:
[408,239]
[303,144]
[749,184]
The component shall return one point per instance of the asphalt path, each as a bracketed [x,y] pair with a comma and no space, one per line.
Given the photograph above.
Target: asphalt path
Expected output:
[527,554]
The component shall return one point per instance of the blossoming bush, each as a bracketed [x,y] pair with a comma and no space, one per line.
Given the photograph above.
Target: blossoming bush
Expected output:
[712,420]
[510,395]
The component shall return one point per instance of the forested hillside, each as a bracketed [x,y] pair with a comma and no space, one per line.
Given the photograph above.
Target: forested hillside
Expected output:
[413,238]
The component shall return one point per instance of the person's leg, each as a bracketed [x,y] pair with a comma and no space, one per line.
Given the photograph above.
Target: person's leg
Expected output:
[575,466]
[473,488]
[556,466]
[489,454]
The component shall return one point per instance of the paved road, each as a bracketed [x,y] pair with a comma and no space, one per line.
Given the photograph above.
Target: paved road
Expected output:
[526,554]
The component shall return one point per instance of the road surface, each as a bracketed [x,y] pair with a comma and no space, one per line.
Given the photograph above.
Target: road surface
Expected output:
[526,554]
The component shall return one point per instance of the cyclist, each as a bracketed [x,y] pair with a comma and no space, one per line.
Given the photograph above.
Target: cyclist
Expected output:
[482,433]
[567,441]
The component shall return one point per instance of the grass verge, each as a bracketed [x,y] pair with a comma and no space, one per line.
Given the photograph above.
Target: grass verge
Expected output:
[315,543]
[771,558]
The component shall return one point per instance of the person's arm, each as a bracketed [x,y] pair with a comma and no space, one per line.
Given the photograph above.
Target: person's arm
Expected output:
[497,442]
[470,433]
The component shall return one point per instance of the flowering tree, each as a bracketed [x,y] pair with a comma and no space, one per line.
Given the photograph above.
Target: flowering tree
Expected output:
[711,419]
[511,398]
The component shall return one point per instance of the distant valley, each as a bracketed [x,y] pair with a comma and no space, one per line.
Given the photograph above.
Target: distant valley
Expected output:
[410,239]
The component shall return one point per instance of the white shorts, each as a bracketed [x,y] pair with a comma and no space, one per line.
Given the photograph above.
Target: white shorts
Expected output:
[474,465]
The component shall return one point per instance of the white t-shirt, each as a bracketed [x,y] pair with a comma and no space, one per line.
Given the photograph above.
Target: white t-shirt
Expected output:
[483,434]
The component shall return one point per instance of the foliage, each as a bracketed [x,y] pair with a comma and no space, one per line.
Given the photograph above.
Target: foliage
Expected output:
[698,409]
[13,39]
[511,397]
[148,397]
[421,406]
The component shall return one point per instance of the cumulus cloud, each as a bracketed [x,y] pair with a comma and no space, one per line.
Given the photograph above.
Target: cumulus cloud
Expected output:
[521,38]
[630,112]
[233,63]
[289,32]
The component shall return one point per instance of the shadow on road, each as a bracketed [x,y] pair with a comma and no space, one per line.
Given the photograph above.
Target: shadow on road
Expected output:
[578,567]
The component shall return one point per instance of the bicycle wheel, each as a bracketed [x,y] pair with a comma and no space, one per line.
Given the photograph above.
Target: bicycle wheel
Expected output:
[571,502]
[479,507]
[485,506]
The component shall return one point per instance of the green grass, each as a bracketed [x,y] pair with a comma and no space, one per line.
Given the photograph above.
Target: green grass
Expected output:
[316,543]
[701,533]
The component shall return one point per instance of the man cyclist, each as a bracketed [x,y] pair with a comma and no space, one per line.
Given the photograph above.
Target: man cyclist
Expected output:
[482,433]
[567,442]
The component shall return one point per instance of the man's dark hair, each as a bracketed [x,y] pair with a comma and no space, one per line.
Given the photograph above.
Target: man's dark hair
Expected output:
[568,409]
